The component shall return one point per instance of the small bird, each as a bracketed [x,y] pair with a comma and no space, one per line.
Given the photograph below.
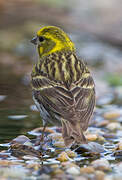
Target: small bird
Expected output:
[62,86]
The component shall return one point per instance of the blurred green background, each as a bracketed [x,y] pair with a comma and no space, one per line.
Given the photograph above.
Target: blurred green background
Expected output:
[94,26]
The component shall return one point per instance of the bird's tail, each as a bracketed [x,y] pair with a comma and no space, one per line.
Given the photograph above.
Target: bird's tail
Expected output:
[72,133]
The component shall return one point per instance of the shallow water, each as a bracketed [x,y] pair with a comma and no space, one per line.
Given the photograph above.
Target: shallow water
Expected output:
[16,115]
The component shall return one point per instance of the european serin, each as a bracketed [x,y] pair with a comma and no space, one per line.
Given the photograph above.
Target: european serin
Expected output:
[63,89]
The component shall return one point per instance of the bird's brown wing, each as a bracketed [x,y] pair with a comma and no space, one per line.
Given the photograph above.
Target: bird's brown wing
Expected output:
[84,100]
[72,104]
[54,97]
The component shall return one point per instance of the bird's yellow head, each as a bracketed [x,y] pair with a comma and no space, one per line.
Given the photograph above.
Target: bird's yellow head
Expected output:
[51,39]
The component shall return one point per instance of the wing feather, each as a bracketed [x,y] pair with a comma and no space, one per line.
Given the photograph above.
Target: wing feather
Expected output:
[73,100]
[76,104]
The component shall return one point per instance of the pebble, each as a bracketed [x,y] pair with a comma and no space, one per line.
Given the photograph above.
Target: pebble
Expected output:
[119,146]
[71,154]
[110,136]
[113,177]
[43,177]
[101,164]
[38,131]
[35,166]
[81,178]
[55,166]
[13,172]
[56,136]
[73,170]
[118,167]
[90,147]
[103,123]
[91,137]
[99,175]
[88,169]
[58,171]
[18,149]
[109,177]
[101,138]
[68,164]
[112,115]
[118,176]
[8,163]
[63,157]
[59,144]
[21,139]
[94,137]
[118,154]
[114,126]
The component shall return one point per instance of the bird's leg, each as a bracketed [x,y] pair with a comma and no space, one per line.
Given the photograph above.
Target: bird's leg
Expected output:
[43,130]
[41,137]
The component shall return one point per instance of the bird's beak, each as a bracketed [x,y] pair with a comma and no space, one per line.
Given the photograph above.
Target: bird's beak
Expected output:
[34,40]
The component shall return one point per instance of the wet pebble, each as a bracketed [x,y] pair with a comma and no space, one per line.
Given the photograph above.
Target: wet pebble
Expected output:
[101,164]
[4,155]
[99,175]
[63,176]
[91,137]
[22,140]
[103,123]
[68,164]
[55,166]
[58,171]
[81,178]
[110,136]
[113,177]
[43,177]
[38,131]
[112,115]
[35,166]
[8,163]
[59,144]
[114,126]
[109,177]
[88,169]
[119,146]
[90,147]
[56,136]
[13,172]
[94,137]
[71,154]
[118,167]
[118,154]
[45,170]
[117,176]
[101,138]
[18,150]
[73,170]
[63,157]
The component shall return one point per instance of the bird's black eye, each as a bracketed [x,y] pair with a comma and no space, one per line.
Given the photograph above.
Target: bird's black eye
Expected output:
[41,39]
